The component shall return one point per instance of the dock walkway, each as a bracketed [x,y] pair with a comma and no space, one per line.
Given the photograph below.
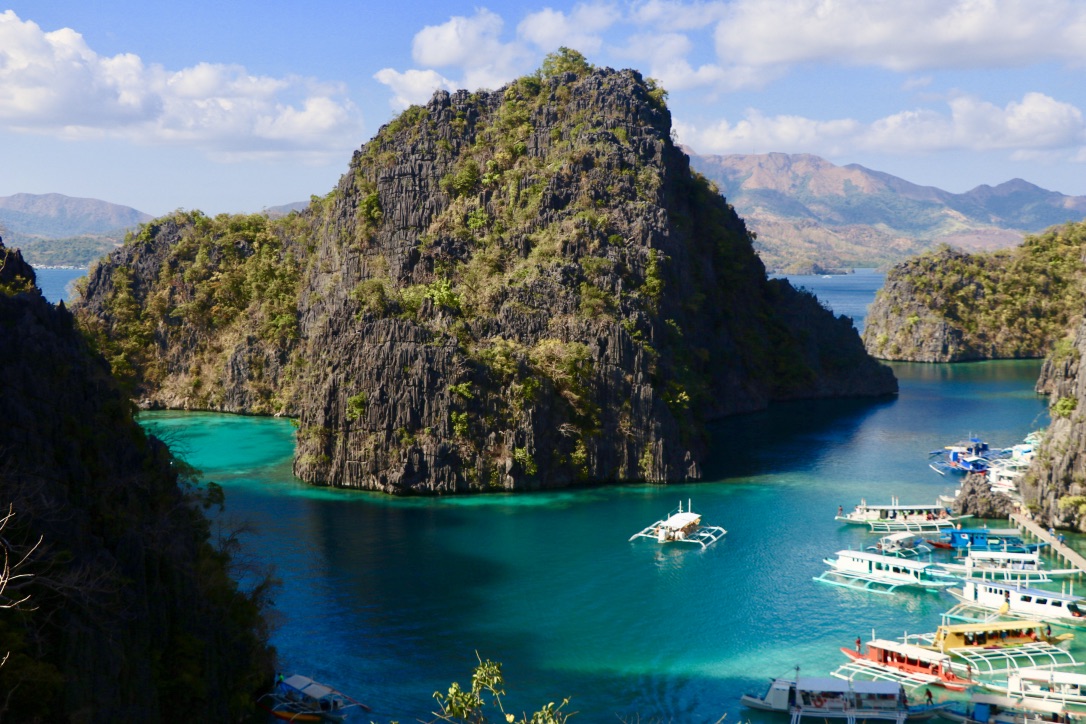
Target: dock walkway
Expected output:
[1062,550]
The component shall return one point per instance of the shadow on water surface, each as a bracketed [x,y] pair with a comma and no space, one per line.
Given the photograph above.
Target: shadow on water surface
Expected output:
[785,436]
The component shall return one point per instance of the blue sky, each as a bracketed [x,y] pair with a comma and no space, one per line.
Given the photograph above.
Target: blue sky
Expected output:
[240,105]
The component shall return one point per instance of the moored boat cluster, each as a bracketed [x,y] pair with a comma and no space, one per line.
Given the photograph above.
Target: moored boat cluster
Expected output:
[1002,653]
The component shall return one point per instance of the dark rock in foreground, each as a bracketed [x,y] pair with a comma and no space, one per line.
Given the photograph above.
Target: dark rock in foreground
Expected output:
[131,615]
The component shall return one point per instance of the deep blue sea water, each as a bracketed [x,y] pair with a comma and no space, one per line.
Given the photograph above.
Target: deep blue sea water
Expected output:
[390,599]
[847,294]
[55,283]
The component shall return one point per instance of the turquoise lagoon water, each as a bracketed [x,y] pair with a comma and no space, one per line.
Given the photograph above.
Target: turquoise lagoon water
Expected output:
[390,599]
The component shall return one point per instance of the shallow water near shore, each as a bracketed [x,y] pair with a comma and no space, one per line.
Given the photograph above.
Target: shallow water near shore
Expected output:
[389,599]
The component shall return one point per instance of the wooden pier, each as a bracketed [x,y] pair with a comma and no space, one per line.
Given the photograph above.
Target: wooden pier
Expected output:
[1061,550]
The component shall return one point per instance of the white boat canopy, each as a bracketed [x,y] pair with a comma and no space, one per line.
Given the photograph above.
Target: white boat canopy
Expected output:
[911,651]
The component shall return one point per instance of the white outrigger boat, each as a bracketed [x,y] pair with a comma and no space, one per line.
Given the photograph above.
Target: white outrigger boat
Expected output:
[877,573]
[1005,566]
[298,698]
[831,698]
[995,709]
[1066,687]
[1008,599]
[682,526]
[901,545]
[895,517]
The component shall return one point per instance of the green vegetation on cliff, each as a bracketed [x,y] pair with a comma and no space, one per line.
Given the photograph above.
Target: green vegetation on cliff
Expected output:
[192,300]
[946,306]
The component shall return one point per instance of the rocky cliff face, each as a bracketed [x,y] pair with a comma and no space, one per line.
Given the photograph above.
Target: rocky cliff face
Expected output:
[947,306]
[200,313]
[529,288]
[131,615]
[978,499]
[1055,485]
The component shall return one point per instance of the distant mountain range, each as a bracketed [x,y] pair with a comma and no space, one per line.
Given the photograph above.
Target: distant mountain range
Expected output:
[808,214]
[58,230]
[811,215]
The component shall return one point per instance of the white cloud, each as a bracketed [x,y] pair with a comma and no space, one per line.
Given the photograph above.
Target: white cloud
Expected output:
[1034,127]
[474,45]
[903,36]
[459,41]
[550,29]
[758,133]
[671,15]
[915,83]
[1036,123]
[53,82]
[412,86]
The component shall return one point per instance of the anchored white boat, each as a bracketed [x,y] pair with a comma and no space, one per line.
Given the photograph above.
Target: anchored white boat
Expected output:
[682,526]
[1018,600]
[831,698]
[894,517]
[1003,475]
[901,545]
[865,571]
[1067,687]
[1005,566]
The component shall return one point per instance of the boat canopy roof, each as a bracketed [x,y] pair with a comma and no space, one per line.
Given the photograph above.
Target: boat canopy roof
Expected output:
[895,506]
[843,686]
[894,560]
[681,520]
[1006,702]
[965,628]
[1056,677]
[1004,556]
[900,537]
[991,532]
[910,650]
[1023,590]
[308,687]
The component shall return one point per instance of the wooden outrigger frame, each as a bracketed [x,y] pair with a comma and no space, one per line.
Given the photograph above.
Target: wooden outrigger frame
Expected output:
[870,670]
[682,526]
[859,581]
[1039,655]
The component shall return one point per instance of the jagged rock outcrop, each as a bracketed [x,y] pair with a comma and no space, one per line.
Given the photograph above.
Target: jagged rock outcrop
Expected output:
[977,499]
[132,615]
[1055,485]
[518,289]
[947,306]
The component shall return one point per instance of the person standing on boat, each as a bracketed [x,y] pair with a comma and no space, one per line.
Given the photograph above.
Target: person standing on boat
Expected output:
[927,697]
[859,643]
